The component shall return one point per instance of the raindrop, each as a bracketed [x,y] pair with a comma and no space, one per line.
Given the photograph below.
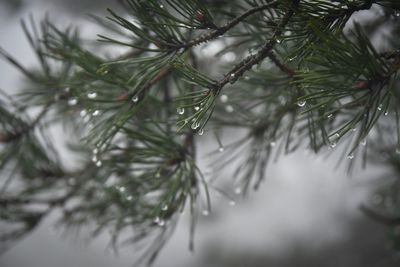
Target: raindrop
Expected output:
[95,151]
[363,142]
[99,163]
[83,113]
[205,212]
[397,14]
[161,223]
[164,207]
[122,189]
[135,99]
[94,158]
[161,6]
[92,95]
[301,103]
[196,108]
[195,125]
[278,40]
[201,132]
[333,144]
[386,113]
[221,149]
[380,107]
[238,190]
[292,58]
[223,98]
[96,113]
[330,116]
[350,156]
[180,111]
[157,220]
[72,101]
[232,78]
[229,109]
[129,198]
[272,144]
[337,135]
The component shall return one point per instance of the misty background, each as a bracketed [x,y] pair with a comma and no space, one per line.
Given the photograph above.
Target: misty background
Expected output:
[306,213]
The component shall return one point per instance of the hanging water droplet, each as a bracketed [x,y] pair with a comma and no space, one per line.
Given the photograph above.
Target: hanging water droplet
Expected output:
[96,113]
[232,203]
[83,113]
[201,132]
[196,108]
[164,207]
[337,135]
[397,14]
[229,108]
[272,144]
[122,189]
[161,6]
[180,111]
[72,101]
[156,220]
[278,40]
[301,103]
[94,158]
[350,156]
[380,107]
[238,190]
[135,99]
[205,212]
[129,198]
[99,163]
[161,223]
[333,144]
[363,142]
[195,125]
[95,151]
[223,98]
[232,78]
[221,149]
[92,95]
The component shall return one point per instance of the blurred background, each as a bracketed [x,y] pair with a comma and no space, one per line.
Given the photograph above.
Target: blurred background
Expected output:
[305,214]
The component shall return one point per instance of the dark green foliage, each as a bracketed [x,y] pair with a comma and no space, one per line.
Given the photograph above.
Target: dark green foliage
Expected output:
[299,74]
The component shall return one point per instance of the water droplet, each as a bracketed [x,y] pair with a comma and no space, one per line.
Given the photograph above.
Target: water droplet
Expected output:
[278,40]
[158,175]
[201,132]
[92,95]
[72,101]
[83,113]
[232,78]
[330,116]
[353,129]
[195,125]
[232,203]
[180,111]
[95,151]
[397,14]
[99,163]
[350,156]
[205,212]
[223,98]
[221,149]
[272,144]
[337,135]
[363,142]
[196,108]
[164,207]
[94,158]
[238,190]
[129,198]
[156,220]
[135,99]
[161,6]
[229,109]
[380,107]
[292,58]
[122,189]
[301,103]
[333,144]
[386,113]
[96,113]
[161,223]
[398,150]
[67,89]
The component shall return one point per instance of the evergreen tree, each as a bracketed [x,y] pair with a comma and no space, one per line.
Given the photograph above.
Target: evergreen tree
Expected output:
[290,74]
